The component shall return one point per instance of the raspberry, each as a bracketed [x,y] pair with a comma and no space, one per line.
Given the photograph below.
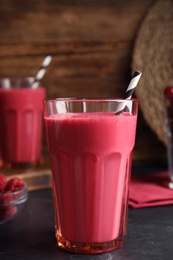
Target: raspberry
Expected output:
[3,182]
[8,212]
[168,91]
[6,197]
[15,184]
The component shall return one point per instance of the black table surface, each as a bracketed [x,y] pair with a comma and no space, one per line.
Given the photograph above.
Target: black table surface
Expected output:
[31,234]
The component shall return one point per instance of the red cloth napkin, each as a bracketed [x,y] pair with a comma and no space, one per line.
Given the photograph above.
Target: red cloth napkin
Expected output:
[150,190]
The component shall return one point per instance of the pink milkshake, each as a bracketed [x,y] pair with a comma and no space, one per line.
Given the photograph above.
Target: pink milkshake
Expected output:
[20,123]
[90,156]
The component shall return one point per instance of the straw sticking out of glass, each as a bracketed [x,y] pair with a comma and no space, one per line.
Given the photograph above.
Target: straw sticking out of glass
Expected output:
[130,89]
[41,71]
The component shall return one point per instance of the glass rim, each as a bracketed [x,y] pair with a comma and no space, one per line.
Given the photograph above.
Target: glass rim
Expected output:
[17,78]
[71,99]
[16,83]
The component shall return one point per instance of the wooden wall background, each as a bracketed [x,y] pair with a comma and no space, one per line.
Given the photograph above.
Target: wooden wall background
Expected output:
[91,42]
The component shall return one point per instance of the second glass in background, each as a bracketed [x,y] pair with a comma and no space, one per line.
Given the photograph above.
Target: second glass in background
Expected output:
[20,122]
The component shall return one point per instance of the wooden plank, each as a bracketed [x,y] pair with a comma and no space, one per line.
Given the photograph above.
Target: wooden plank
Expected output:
[52,24]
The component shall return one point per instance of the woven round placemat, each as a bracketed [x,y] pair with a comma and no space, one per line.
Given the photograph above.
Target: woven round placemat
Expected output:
[153,56]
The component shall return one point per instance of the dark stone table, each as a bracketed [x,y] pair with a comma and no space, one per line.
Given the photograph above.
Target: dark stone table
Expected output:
[31,235]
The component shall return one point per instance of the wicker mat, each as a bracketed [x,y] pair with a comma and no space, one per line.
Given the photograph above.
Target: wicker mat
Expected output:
[153,56]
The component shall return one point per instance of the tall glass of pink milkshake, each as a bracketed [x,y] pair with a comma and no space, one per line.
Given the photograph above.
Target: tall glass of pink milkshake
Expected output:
[20,122]
[90,150]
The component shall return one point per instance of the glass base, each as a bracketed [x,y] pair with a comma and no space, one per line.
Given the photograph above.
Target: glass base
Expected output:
[90,248]
[20,165]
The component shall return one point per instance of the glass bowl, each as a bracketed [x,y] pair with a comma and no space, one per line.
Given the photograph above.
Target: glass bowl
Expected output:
[11,204]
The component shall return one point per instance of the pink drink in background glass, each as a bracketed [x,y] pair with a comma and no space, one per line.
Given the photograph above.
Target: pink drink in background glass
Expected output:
[90,156]
[20,123]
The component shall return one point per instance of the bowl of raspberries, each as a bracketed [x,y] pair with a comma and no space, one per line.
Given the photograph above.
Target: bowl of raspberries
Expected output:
[13,194]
